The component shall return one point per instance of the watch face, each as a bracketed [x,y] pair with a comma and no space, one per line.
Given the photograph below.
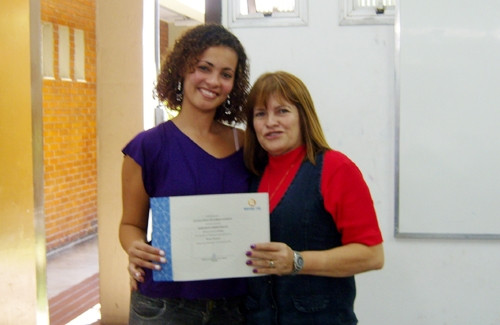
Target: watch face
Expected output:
[298,262]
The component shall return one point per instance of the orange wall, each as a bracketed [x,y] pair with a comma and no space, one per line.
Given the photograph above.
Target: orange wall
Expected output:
[69,131]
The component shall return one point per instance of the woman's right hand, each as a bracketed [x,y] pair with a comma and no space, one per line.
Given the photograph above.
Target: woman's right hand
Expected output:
[142,255]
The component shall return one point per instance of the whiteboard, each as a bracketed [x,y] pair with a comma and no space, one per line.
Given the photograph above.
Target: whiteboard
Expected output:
[448,119]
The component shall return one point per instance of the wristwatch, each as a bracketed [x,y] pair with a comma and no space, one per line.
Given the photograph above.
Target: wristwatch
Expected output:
[298,262]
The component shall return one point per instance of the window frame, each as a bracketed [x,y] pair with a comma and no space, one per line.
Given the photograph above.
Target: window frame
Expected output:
[350,15]
[298,18]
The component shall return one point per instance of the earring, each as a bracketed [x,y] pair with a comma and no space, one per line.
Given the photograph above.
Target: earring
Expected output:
[227,105]
[178,92]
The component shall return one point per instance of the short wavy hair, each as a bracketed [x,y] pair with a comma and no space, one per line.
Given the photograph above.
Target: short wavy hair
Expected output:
[285,86]
[184,57]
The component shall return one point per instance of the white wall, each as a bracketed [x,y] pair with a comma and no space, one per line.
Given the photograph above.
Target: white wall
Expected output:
[350,73]
[120,100]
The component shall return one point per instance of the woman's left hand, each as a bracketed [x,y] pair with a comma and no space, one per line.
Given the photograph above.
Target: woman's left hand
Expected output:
[271,258]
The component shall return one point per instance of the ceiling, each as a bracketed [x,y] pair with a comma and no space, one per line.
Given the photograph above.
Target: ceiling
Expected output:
[180,14]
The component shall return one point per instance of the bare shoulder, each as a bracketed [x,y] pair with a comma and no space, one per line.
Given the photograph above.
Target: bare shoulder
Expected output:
[241,135]
[235,136]
[230,131]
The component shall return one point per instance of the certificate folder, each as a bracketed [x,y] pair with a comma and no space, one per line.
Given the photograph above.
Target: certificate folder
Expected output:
[206,236]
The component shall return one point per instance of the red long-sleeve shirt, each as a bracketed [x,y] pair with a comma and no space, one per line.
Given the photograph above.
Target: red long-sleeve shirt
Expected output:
[345,193]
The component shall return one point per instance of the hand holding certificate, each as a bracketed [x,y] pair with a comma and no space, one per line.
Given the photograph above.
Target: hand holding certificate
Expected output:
[206,236]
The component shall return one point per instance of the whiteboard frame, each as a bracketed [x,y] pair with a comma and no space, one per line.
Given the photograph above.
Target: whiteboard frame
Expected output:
[397,232]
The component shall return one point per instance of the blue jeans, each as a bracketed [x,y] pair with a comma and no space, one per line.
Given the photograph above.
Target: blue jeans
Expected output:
[177,311]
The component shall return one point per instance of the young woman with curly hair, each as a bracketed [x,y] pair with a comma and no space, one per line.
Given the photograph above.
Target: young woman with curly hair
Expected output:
[204,78]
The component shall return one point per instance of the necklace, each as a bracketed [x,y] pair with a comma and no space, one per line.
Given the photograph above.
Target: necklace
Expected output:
[273,193]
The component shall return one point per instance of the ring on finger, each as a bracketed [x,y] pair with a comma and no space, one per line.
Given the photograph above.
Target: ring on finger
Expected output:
[271,263]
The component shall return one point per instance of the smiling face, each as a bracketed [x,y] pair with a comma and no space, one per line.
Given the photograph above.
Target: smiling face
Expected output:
[277,126]
[212,79]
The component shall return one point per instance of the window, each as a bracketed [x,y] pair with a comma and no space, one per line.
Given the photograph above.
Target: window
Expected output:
[247,13]
[79,55]
[47,51]
[367,12]
[64,48]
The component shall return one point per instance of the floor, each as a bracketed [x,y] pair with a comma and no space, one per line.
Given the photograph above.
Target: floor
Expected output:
[73,284]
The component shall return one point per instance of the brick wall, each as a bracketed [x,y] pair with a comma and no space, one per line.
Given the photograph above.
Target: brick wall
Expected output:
[69,131]
[163,40]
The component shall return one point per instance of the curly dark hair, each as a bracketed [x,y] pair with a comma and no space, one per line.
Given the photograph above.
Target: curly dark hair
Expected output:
[183,58]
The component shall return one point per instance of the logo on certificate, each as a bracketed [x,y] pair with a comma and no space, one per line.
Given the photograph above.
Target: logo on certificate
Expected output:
[252,202]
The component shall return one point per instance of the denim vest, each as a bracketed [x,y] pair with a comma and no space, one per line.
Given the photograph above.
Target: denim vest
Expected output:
[301,221]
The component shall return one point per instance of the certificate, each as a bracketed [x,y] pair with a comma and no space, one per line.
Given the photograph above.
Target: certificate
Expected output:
[206,236]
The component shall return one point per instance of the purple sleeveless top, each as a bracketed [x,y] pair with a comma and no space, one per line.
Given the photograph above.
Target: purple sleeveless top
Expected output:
[172,165]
